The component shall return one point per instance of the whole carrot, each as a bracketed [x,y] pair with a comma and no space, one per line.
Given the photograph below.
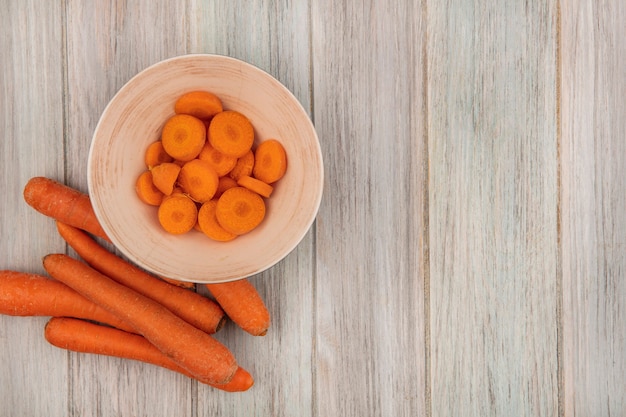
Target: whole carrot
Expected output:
[191,348]
[63,203]
[82,336]
[194,308]
[23,294]
[243,304]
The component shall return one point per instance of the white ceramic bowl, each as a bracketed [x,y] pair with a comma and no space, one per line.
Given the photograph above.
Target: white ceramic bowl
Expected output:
[134,118]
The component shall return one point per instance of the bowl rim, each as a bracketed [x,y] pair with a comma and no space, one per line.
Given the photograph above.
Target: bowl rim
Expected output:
[319,190]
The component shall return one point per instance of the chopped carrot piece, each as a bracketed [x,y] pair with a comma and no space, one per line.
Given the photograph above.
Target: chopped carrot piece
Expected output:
[155,154]
[270,161]
[147,191]
[200,104]
[244,166]
[240,210]
[222,164]
[177,214]
[209,225]
[256,185]
[198,179]
[224,184]
[231,133]
[164,176]
[183,137]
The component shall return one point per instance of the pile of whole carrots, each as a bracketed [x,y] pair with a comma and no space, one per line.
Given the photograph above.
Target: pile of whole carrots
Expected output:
[102,304]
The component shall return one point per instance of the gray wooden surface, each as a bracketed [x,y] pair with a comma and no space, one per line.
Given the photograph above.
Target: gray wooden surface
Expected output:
[469,255]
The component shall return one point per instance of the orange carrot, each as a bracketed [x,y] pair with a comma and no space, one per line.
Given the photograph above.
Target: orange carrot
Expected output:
[82,336]
[23,294]
[231,133]
[63,203]
[209,225]
[199,180]
[177,214]
[183,137]
[255,185]
[243,304]
[200,104]
[244,166]
[146,190]
[155,155]
[164,176]
[270,161]
[240,210]
[222,164]
[196,309]
[178,283]
[224,184]
[191,348]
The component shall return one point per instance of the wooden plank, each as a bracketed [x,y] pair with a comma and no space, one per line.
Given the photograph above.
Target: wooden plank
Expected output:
[274,36]
[31,121]
[593,160]
[107,44]
[493,208]
[369,111]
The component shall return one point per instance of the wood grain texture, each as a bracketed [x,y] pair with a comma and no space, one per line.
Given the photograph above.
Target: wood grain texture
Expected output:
[593,160]
[106,46]
[369,311]
[493,200]
[31,121]
[274,36]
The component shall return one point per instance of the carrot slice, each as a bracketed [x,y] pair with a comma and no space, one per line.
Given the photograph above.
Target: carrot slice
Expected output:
[224,184]
[198,179]
[164,176]
[147,191]
[200,104]
[270,161]
[209,225]
[240,210]
[155,154]
[231,133]
[222,164]
[183,136]
[244,166]
[255,185]
[177,214]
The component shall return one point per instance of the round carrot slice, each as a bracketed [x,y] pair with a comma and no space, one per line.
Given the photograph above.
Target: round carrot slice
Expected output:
[240,210]
[244,166]
[147,191]
[258,186]
[222,164]
[198,179]
[224,184]
[231,133]
[200,104]
[209,225]
[155,154]
[177,214]
[183,137]
[270,161]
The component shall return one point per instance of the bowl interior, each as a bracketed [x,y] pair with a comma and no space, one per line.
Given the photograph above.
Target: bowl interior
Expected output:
[134,118]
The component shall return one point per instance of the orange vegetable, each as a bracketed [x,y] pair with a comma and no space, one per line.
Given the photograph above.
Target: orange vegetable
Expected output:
[222,164]
[82,336]
[198,179]
[240,210]
[270,161]
[155,154]
[231,133]
[224,184]
[191,348]
[183,137]
[63,203]
[244,166]
[243,304]
[23,294]
[209,225]
[194,308]
[200,104]
[256,186]
[147,191]
[178,283]
[164,176]
[177,214]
